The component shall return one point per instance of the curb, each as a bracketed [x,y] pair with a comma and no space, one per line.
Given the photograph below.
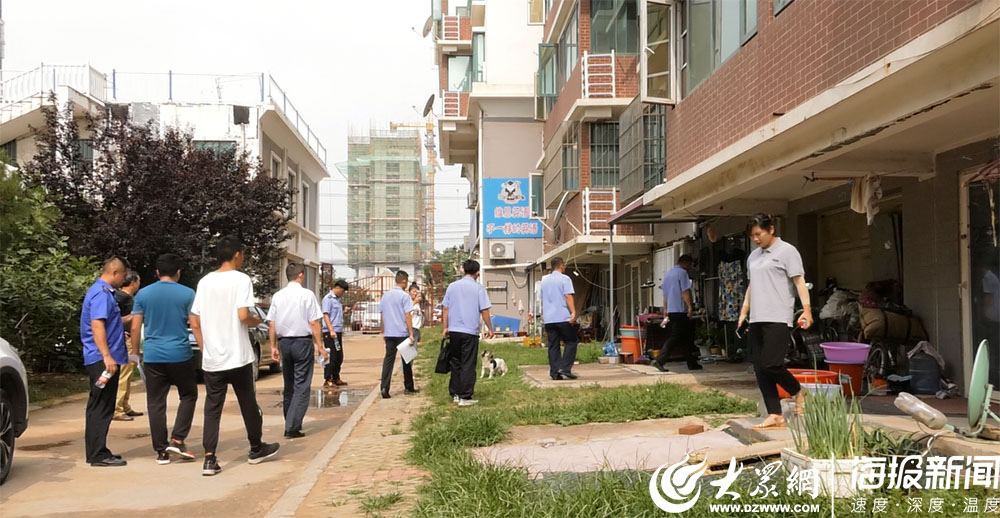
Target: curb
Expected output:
[289,502]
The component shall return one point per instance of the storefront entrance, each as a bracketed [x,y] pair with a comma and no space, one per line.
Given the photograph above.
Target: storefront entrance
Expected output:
[980,211]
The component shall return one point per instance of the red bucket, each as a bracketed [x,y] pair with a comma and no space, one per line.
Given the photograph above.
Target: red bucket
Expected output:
[810,376]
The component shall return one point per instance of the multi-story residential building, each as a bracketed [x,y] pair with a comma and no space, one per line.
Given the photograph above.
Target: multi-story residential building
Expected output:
[797,108]
[248,112]
[386,216]
[487,125]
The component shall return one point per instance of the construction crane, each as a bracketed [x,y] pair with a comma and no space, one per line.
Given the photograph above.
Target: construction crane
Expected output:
[431,148]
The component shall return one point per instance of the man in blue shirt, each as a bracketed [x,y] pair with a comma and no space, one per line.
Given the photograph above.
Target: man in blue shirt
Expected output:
[678,309]
[397,326]
[161,309]
[465,302]
[559,314]
[333,328]
[103,351]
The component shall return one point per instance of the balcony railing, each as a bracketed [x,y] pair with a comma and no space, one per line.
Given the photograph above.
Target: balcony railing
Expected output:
[598,75]
[598,206]
[452,102]
[37,82]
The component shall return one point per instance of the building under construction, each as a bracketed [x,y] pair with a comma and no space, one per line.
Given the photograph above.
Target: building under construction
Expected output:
[388,224]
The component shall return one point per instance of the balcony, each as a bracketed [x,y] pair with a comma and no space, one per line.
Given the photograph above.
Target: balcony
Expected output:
[455,104]
[598,76]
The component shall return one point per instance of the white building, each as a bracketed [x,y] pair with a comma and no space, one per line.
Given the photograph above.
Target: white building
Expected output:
[249,112]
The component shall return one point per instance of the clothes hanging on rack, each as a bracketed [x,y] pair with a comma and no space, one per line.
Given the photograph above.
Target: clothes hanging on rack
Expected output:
[731,290]
[865,195]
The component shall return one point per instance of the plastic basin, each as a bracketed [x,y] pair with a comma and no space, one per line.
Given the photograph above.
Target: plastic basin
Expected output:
[823,388]
[845,352]
[810,376]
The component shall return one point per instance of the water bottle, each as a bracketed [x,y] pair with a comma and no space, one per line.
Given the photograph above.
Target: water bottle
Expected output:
[103,380]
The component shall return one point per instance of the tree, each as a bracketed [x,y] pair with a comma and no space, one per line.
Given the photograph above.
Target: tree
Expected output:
[144,193]
[41,283]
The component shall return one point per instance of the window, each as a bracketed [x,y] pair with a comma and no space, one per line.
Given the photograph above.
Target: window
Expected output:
[478,57]
[713,30]
[392,211]
[748,20]
[86,149]
[780,5]
[9,151]
[569,49]
[654,146]
[307,218]
[392,191]
[275,167]
[436,9]
[459,73]
[536,195]
[537,9]
[571,160]
[614,25]
[604,154]
[642,148]
[215,146]
[657,60]
[392,167]
[548,75]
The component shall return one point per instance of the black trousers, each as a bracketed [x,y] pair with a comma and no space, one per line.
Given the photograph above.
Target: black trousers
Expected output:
[561,361]
[464,349]
[216,386]
[297,356]
[335,346]
[100,410]
[159,378]
[391,342]
[681,337]
[768,343]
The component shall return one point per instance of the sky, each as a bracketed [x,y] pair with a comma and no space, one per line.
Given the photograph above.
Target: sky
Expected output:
[348,65]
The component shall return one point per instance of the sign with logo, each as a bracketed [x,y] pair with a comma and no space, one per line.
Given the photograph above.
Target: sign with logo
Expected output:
[507,209]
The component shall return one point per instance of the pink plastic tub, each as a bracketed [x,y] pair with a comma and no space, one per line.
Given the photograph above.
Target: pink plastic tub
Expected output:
[845,352]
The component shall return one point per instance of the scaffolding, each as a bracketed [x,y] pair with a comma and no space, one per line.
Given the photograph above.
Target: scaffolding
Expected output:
[387,216]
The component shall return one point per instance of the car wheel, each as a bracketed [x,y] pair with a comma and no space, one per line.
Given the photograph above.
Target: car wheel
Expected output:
[6,435]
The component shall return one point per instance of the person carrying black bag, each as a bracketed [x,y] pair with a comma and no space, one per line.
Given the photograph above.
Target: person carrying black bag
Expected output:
[465,301]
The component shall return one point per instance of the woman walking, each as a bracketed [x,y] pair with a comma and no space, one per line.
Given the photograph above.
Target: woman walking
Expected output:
[776,273]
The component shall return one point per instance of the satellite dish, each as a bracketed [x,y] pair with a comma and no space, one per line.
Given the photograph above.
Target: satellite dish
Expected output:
[429,105]
[428,25]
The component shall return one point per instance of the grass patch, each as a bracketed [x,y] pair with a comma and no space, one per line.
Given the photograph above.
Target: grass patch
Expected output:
[355,492]
[395,431]
[377,503]
[46,388]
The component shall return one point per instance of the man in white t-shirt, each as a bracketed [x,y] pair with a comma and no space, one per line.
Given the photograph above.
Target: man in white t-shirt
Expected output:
[220,316]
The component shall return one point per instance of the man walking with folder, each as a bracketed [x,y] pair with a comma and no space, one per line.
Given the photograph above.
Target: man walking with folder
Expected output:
[397,326]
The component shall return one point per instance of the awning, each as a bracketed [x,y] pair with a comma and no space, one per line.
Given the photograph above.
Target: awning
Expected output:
[638,213]
[596,249]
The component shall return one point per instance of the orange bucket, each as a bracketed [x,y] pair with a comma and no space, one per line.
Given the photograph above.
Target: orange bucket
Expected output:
[856,371]
[630,344]
[811,376]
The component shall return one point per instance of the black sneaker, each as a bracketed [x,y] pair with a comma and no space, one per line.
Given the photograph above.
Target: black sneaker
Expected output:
[295,435]
[180,449]
[264,451]
[411,391]
[568,375]
[211,466]
[162,457]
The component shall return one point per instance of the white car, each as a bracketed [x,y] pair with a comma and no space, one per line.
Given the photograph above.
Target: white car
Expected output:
[13,404]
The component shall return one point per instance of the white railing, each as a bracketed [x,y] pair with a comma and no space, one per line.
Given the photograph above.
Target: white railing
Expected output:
[451,28]
[598,206]
[280,101]
[38,82]
[452,102]
[598,75]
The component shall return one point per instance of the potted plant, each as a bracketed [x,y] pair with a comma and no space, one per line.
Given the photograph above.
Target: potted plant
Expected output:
[828,436]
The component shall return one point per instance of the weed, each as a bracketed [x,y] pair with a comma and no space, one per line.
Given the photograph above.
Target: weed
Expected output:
[376,503]
[355,492]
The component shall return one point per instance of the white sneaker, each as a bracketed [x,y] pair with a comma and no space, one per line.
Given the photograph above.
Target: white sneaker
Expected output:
[456,399]
[467,402]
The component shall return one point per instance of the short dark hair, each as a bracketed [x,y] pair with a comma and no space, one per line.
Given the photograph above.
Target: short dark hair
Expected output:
[402,276]
[293,270]
[685,259]
[762,220]
[130,277]
[227,248]
[110,260]
[557,262]
[470,267]
[168,264]
[341,283]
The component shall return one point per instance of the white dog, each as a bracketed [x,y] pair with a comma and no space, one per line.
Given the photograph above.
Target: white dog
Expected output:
[492,364]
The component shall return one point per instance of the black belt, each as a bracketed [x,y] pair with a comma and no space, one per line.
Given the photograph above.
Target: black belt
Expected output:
[294,337]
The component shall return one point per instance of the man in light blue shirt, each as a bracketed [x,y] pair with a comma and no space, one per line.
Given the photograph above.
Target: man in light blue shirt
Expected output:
[559,314]
[333,328]
[678,310]
[397,326]
[465,302]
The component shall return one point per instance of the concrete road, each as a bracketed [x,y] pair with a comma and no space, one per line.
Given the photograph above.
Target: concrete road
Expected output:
[50,477]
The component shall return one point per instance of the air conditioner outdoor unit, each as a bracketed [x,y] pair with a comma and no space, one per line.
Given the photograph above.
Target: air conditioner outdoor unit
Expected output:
[502,250]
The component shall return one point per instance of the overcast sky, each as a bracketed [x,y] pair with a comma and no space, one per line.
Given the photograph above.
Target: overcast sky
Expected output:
[347,65]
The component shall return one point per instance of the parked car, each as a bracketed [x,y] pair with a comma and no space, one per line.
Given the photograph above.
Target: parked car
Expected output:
[13,404]
[258,340]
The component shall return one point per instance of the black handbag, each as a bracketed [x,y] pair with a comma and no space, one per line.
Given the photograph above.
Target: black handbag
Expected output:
[444,358]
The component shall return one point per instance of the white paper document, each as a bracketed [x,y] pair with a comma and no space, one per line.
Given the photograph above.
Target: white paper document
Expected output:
[407,351]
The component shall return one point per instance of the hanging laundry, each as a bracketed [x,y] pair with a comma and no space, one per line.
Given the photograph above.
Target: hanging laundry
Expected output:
[865,195]
[731,290]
